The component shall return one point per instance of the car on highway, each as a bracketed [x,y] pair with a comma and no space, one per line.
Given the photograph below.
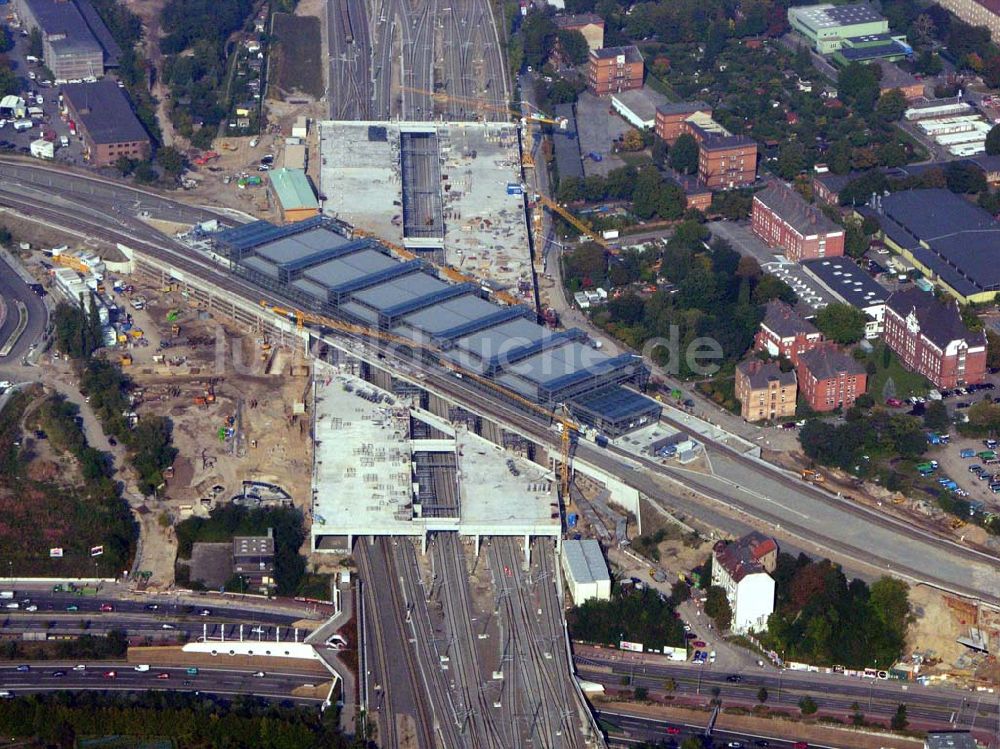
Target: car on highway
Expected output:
[58,674]
[110,674]
[106,607]
[163,675]
[800,745]
[23,668]
[31,608]
[167,626]
[761,742]
[205,612]
[72,607]
[152,606]
[734,678]
[259,674]
[673,730]
[735,745]
[192,671]
[79,667]
[142,667]
[14,605]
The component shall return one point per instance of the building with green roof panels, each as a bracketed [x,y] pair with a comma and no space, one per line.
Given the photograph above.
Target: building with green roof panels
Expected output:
[826,26]
[294,194]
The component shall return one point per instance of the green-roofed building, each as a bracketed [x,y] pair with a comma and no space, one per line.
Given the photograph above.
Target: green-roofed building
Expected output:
[294,194]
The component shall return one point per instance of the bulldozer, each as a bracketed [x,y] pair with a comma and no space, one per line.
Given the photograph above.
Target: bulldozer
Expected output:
[126,360]
[814,476]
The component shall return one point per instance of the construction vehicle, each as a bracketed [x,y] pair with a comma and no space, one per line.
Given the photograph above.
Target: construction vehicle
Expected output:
[126,360]
[814,476]
[957,523]
[210,394]
[568,429]
[175,330]
[452,274]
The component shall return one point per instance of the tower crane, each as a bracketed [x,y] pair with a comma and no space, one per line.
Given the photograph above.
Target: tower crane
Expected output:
[568,429]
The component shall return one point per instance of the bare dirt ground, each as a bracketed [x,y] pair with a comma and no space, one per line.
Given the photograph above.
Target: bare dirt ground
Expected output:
[272,446]
[936,627]
[40,235]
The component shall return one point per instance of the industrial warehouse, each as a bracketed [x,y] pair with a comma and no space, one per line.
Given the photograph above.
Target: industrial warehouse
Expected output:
[324,270]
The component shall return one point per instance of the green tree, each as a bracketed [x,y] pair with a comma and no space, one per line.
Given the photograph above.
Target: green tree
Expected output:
[646,195]
[574,46]
[808,705]
[992,349]
[899,720]
[145,173]
[683,155]
[993,141]
[964,178]
[171,161]
[641,694]
[762,695]
[857,84]
[717,607]
[6,40]
[35,44]
[857,717]
[670,685]
[538,33]
[842,323]
[936,416]
[791,160]
[891,105]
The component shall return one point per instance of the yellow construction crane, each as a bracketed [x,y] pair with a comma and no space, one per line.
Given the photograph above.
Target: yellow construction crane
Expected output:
[449,272]
[572,220]
[567,427]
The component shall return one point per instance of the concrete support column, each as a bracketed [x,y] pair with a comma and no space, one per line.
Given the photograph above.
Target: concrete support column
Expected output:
[527,551]
[476,543]
[423,543]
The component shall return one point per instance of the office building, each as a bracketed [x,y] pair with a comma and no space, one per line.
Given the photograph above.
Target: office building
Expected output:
[765,392]
[106,122]
[615,69]
[930,338]
[784,332]
[783,219]
[830,379]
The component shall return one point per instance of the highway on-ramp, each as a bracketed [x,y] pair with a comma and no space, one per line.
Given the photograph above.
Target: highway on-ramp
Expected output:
[13,289]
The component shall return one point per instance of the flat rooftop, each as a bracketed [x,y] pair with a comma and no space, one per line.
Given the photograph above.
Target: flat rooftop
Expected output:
[830,16]
[642,102]
[105,112]
[368,461]
[484,231]
[845,279]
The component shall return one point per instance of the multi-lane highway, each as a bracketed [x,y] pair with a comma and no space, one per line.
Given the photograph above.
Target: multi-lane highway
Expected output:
[834,693]
[829,524]
[61,675]
[19,298]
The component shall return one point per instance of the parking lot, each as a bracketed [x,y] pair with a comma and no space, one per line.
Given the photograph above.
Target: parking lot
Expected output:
[36,93]
[598,129]
[960,459]
[738,234]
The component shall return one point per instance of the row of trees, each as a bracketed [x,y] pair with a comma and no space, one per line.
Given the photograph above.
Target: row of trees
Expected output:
[823,619]
[229,520]
[957,177]
[191,720]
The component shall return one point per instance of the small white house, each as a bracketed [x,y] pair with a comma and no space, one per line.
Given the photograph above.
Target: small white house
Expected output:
[742,568]
[585,571]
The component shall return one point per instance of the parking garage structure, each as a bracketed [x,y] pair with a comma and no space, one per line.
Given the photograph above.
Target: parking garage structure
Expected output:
[320,267]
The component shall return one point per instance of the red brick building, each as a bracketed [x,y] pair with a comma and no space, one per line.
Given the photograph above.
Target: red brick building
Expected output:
[728,161]
[782,218]
[930,338]
[615,69]
[106,122]
[673,119]
[784,332]
[829,378]
[724,160]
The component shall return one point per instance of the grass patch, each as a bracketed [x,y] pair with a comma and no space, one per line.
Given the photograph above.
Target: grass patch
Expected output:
[298,45]
[888,367]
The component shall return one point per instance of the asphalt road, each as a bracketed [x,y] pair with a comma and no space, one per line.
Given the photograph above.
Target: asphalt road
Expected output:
[631,729]
[832,692]
[13,289]
[42,678]
[827,524]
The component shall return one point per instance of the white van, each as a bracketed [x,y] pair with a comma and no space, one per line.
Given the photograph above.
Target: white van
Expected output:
[31,58]
[22,125]
[63,141]
[142,667]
